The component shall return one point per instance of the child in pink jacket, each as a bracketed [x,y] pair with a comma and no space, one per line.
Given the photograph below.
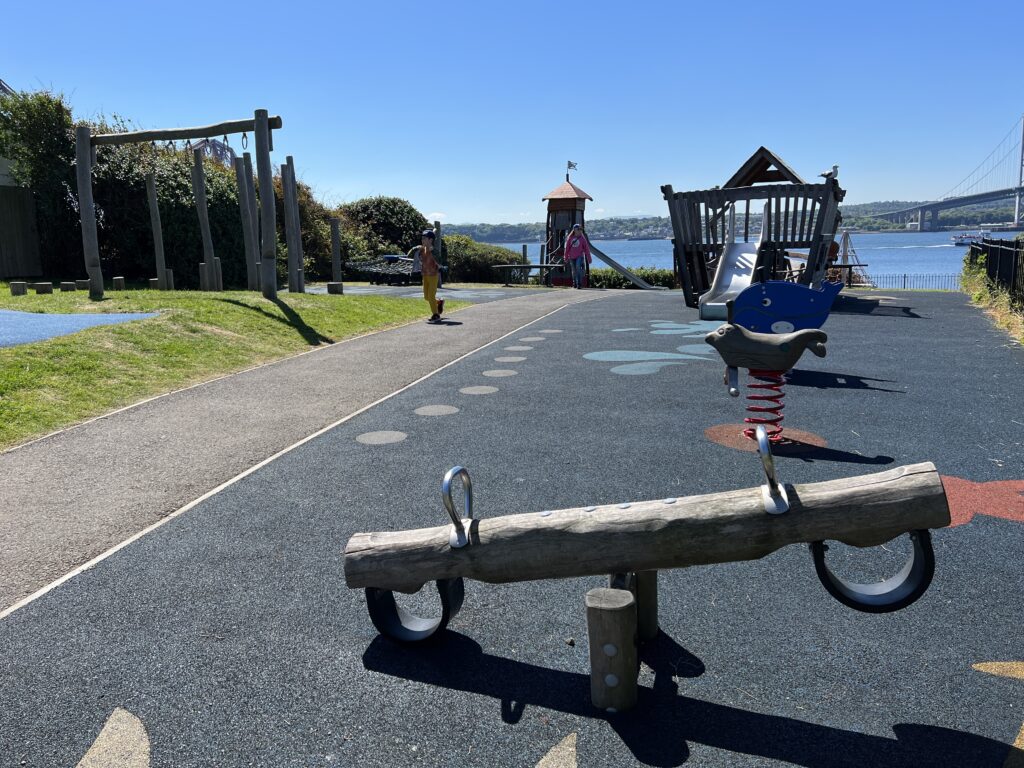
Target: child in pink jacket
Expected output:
[576,248]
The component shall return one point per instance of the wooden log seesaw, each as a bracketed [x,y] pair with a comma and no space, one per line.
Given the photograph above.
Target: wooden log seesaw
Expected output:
[632,541]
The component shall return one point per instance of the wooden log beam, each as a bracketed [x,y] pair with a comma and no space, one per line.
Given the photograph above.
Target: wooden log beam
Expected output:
[862,511]
[173,134]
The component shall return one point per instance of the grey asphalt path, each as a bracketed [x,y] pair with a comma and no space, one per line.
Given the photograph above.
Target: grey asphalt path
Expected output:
[69,497]
[230,635]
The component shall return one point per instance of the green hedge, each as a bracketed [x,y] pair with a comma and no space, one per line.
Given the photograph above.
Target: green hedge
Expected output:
[609,278]
[471,262]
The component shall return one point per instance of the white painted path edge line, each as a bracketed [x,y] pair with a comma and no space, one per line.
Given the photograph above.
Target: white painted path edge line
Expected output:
[181,510]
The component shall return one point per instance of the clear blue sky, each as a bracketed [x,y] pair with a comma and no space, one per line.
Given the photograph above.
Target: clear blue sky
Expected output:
[471,110]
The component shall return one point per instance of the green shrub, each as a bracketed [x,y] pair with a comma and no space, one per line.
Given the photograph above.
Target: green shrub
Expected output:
[609,278]
[471,262]
[383,224]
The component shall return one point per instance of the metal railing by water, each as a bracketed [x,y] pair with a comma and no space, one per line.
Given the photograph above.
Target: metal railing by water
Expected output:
[948,282]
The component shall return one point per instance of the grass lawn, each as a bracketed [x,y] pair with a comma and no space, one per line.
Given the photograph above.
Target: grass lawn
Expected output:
[51,384]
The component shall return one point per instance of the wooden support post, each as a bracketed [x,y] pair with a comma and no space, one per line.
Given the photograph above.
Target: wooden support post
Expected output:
[611,630]
[336,251]
[169,276]
[204,277]
[118,284]
[268,219]
[19,288]
[297,218]
[862,511]
[154,284]
[43,287]
[67,286]
[245,209]
[87,211]
[158,237]
[199,191]
[254,218]
[218,275]
[287,169]
[82,285]
[647,605]
[438,252]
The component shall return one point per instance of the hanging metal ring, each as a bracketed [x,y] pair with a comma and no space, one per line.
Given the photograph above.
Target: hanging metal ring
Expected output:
[245,140]
[894,593]
[459,536]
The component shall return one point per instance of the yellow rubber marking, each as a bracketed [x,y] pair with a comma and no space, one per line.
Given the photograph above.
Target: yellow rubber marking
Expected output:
[562,755]
[1014,669]
[123,743]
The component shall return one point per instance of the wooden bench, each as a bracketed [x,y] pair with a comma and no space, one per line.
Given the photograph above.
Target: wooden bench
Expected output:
[510,268]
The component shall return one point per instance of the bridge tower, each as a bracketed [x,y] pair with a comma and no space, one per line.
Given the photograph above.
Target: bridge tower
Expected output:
[1017,213]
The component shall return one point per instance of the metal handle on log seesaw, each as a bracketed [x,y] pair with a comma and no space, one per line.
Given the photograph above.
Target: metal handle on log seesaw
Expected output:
[862,511]
[394,621]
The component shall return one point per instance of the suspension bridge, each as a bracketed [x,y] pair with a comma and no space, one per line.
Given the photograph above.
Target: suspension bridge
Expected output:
[1000,176]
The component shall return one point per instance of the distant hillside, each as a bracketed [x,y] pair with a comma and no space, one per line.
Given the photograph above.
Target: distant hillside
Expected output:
[858,216]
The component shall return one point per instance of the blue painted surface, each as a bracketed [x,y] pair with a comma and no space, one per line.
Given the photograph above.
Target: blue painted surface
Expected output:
[26,327]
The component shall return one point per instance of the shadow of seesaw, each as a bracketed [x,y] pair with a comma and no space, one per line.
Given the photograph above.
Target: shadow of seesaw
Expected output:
[660,728]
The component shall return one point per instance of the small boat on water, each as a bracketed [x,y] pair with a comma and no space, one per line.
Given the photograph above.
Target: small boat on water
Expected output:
[966,238]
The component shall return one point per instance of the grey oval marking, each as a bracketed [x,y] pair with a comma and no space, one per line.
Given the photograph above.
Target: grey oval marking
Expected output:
[533,338]
[498,373]
[381,438]
[436,410]
[509,359]
[551,331]
[478,390]
[521,348]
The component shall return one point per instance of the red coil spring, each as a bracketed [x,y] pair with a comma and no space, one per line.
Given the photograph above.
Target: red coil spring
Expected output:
[766,403]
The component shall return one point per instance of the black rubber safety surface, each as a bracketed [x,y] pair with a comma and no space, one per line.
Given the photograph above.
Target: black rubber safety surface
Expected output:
[229,632]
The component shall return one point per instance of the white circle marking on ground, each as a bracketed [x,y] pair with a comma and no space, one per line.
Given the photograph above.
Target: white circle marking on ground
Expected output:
[509,359]
[551,331]
[497,373]
[381,438]
[518,349]
[478,390]
[436,410]
[533,338]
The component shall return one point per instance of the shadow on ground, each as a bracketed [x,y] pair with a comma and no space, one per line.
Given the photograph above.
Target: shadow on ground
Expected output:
[291,318]
[862,305]
[658,730]
[827,380]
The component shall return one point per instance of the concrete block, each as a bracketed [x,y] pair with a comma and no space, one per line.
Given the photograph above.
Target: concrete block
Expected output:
[154,283]
[118,283]
[68,285]
[338,288]
[82,285]
[19,289]
[43,287]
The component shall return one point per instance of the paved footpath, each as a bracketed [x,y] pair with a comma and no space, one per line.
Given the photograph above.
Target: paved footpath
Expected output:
[227,636]
[71,496]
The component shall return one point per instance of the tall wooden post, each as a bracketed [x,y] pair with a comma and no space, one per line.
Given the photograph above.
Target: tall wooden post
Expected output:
[87,211]
[287,169]
[437,252]
[158,236]
[254,218]
[199,191]
[244,193]
[300,272]
[336,250]
[268,219]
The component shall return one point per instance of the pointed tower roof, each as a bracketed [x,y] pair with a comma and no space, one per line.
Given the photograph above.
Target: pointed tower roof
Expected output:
[567,190]
[764,166]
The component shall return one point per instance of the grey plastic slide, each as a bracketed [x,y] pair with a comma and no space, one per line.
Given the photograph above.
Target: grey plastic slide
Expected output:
[733,275]
[638,282]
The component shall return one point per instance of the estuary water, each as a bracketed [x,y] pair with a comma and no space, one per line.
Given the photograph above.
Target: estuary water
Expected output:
[884,253]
